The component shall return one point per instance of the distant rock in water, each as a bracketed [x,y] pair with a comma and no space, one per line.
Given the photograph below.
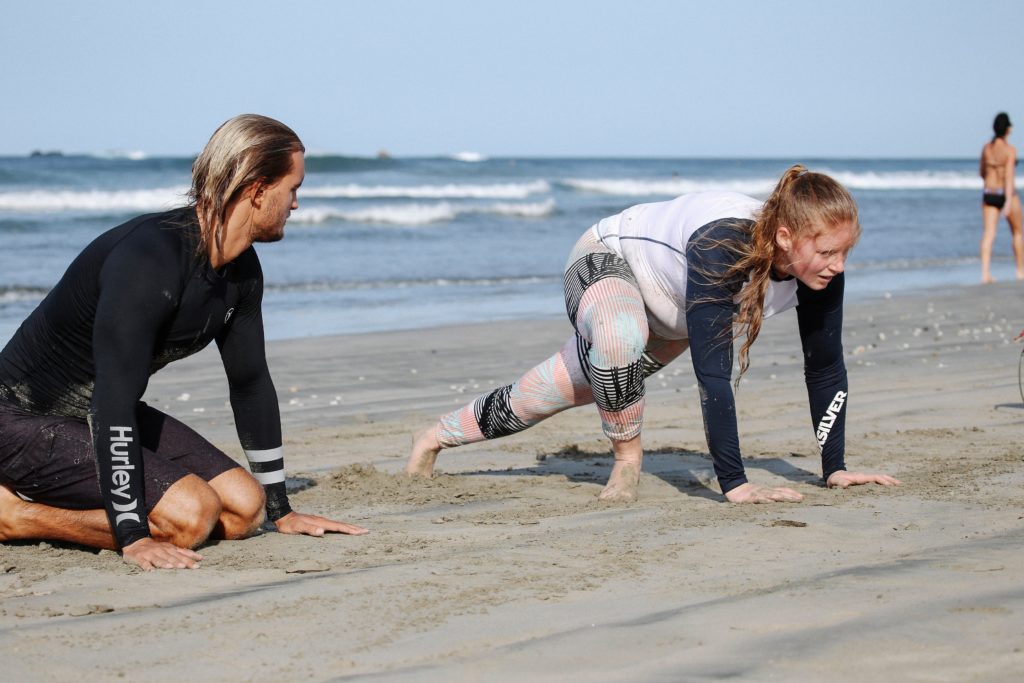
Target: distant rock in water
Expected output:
[48,153]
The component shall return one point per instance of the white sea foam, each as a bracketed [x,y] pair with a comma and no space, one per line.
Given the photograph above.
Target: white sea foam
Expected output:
[397,214]
[469,157]
[419,214]
[535,210]
[154,199]
[129,154]
[11,295]
[870,180]
[671,187]
[907,180]
[52,201]
[448,191]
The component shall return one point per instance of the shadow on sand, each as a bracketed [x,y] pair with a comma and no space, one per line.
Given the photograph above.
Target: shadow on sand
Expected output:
[690,472]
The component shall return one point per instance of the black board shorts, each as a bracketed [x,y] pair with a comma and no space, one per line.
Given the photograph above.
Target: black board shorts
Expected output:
[50,458]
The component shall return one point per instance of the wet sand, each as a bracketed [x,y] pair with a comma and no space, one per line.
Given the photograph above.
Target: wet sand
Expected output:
[505,567]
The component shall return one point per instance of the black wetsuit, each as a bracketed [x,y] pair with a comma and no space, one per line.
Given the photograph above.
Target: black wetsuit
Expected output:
[137,298]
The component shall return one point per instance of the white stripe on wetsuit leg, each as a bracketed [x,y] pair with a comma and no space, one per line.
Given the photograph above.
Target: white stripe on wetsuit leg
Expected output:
[267,465]
[265,456]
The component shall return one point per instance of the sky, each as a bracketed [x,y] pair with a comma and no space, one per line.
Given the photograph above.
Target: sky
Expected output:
[590,78]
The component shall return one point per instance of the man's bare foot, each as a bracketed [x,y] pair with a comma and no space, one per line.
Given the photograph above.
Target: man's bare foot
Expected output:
[10,505]
[424,452]
[987,280]
[622,484]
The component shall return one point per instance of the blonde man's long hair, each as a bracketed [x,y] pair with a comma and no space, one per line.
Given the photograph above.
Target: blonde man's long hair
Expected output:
[807,203]
[244,150]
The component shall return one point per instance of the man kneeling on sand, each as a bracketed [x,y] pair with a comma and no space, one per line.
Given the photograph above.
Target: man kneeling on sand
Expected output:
[82,458]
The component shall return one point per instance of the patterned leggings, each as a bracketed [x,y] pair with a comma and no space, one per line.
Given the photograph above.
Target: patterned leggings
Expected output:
[604,362]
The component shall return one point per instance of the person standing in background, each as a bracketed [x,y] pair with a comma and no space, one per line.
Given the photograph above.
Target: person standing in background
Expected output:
[998,162]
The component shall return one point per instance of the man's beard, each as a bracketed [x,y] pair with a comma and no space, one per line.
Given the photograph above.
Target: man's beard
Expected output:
[264,235]
[269,233]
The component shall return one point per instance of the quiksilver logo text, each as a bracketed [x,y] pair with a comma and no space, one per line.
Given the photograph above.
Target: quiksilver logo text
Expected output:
[121,476]
[829,419]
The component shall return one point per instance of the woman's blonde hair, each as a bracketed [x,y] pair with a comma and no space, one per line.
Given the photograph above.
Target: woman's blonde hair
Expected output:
[807,203]
[246,149]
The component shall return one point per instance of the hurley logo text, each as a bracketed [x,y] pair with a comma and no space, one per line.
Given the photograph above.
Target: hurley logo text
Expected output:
[121,477]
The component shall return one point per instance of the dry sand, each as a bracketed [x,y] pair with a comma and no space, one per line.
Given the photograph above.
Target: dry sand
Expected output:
[506,567]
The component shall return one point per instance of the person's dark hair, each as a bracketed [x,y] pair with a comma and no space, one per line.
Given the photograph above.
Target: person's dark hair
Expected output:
[246,149]
[1001,125]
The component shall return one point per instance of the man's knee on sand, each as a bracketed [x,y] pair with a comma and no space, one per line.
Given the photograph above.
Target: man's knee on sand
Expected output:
[231,506]
[187,513]
[243,504]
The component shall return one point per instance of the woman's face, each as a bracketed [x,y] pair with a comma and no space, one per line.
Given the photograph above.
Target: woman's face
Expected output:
[814,260]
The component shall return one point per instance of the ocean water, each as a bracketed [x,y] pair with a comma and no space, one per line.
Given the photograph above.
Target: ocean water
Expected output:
[400,244]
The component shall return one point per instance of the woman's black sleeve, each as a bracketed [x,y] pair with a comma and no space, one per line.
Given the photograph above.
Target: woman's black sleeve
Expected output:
[820,316]
[709,317]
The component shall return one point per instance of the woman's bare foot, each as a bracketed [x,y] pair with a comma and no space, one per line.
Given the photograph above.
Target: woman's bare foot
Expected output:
[752,493]
[622,483]
[424,452]
[624,480]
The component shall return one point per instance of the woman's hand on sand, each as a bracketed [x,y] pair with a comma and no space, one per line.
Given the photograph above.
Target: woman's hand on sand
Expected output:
[315,525]
[149,553]
[751,493]
[843,479]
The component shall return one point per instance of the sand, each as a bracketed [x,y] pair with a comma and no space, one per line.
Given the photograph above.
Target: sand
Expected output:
[505,567]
